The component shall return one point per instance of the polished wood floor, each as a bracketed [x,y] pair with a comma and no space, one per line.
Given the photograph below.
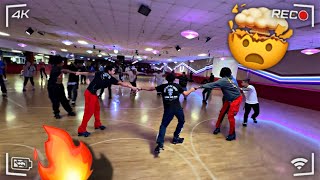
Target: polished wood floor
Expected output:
[262,151]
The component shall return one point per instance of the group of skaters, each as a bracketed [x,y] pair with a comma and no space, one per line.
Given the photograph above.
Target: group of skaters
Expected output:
[170,92]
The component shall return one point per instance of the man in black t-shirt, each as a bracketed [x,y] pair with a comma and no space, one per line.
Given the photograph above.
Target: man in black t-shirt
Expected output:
[73,83]
[56,89]
[92,106]
[170,95]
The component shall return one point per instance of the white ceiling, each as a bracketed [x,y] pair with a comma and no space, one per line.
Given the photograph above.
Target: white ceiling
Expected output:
[105,23]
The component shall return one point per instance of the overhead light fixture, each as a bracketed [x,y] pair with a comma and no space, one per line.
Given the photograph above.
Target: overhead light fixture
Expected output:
[103,54]
[64,50]
[81,57]
[189,34]
[144,10]
[116,51]
[89,51]
[16,51]
[4,34]
[155,51]
[169,59]
[202,55]
[175,62]
[138,57]
[222,58]
[67,42]
[22,45]
[47,56]
[191,61]
[145,57]
[106,58]
[41,33]
[82,42]
[310,51]
[29,31]
[148,49]
[178,48]
[208,39]
[99,55]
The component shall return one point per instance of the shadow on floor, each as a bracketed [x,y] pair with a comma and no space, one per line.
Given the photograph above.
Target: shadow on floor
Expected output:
[102,167]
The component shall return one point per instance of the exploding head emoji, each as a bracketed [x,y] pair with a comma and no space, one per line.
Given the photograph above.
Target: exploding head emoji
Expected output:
[252,44]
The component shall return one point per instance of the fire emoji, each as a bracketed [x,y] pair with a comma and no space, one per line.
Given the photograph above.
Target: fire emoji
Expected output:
[252,44]
[65,160]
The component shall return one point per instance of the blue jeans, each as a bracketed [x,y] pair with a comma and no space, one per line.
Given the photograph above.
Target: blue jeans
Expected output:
[168,115]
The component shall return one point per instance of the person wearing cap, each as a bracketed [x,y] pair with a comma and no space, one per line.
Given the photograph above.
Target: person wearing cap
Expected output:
[252,102]
[233,99]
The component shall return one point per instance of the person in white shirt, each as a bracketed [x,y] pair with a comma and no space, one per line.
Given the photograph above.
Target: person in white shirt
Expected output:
[159,79]
[132,78]
[251,102]
[28,73]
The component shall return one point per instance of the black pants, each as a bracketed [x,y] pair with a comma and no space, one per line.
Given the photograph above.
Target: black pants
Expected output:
[43,70]
[26,79]
[83,79]
[3,86]
[57,96]
[72,92]
[4,74]
[206,94]
[168,115]
[247,108]
[134,84]
[109,89]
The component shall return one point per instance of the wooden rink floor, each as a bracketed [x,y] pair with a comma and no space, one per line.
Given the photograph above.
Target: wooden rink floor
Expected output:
[124,150]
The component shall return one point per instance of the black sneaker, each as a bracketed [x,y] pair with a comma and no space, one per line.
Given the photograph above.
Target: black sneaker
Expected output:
[231,137]
[254,120]
[85,134]
[177,140]
[244,124]
[71,113]
[158,148]
[101,127]
[4,94]
[73,103]
[216,131]
[57,116]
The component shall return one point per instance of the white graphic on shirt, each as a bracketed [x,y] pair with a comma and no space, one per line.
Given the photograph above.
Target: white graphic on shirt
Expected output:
[171,89]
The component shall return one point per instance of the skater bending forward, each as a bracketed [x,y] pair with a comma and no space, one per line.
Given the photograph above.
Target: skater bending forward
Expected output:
[92,107]
[170,95]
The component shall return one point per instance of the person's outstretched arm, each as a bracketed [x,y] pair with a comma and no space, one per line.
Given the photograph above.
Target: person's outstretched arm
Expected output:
[148,89]
[212,85]
[85,73]
[125,84]
[186,93]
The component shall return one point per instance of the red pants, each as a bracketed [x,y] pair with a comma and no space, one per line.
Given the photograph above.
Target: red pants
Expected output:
[92,107]
[233,110]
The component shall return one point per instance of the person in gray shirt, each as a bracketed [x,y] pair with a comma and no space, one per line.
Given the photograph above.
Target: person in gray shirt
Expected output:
[233,99]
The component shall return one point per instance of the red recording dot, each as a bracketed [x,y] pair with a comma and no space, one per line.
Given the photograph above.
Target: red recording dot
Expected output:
[303,15]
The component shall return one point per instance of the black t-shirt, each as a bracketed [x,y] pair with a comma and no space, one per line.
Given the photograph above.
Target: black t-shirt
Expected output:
[54,74]
[73,77]
[183,81]
[101,80]
[170,94]
[211,78]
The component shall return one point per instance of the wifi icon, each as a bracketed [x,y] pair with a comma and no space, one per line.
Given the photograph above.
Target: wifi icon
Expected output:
[299,162]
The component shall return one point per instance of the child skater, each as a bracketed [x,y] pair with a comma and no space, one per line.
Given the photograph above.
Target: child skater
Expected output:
[170,95]
[231,93]
[56,88]
[92,106]
[251,102]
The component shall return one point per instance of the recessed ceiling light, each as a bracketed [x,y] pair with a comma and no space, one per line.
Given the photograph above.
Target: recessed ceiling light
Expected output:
[222,58]
[116,51]
[138,57]
[155,51]
[169,59]
[67,42]
[81,57]
[148,49]
[103,54]
[175,62]
[4,34]
[89,52]
[191,60]
[82,42]
[202,55]
[99,55]
[22,45]
[64,50]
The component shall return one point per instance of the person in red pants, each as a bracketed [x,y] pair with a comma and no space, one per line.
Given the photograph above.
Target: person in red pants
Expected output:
[92,106]
[233,99]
